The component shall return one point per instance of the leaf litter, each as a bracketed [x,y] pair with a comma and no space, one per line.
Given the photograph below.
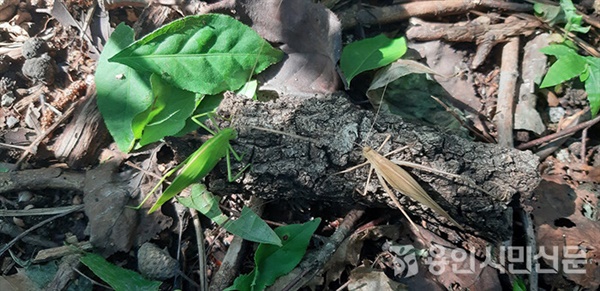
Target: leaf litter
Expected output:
[309,69]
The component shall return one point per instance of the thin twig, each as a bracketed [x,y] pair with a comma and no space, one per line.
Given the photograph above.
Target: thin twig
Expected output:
[42,223]
[559,134]
[583,146]
[32,148]
[506,92]
[38,211]
[92,280]
[201,250]
[464,124]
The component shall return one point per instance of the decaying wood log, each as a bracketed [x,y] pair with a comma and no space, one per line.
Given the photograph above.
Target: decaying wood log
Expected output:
[285,167]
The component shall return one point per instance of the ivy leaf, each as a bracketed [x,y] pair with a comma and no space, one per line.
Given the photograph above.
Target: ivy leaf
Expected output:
[568,65]
[122,92]
[205,54]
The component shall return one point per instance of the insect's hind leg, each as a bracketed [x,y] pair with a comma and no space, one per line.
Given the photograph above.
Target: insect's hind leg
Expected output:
[239,158]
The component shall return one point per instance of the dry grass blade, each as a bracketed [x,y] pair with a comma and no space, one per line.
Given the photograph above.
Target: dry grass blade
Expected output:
[401,180]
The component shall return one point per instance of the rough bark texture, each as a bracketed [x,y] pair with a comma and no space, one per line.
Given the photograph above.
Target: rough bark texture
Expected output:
[83,138]
[285,167]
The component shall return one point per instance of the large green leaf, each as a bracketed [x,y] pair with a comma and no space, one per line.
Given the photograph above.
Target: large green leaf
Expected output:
[169,112]
[274,261]
[369,54]
[117,277]
[206,54]
[592,85]
[568,65]
[122,92]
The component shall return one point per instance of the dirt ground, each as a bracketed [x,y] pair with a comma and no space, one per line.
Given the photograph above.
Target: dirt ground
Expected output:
[524,162]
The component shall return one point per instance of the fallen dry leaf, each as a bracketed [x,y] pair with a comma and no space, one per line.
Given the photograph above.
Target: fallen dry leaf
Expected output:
[348,253]
[570,240]
[112,226]
[367,279]
[309,34]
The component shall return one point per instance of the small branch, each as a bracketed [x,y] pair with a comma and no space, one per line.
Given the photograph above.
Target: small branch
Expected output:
[559,134]
[201,250]
[53,178]
[395,13]
[37,211]
[31,229]
[506,92]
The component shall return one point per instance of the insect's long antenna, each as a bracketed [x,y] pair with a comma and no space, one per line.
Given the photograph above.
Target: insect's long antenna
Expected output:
[377,112]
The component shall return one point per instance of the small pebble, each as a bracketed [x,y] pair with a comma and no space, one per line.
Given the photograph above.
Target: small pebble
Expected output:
[24,196]
[5,62]
[34,47]
[556,113]
[564,156]
[41,69]
[19,222]
[8,83]
[8,99]
[11,121]
[156,264]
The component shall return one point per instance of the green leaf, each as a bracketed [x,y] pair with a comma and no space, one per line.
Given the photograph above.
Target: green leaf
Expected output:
[396,70]
[249,89]
[117,277]
[122,93]
[208,104]
[205,54]
[551,14]
[592,85]
[559,50]
[242,283]
[205,202]
[273,261]
[574,20]
[250,226]
[568,65]
[369,54]
[169,112]
[519,285]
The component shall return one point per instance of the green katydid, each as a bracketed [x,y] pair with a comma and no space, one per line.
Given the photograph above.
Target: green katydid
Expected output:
[199,164]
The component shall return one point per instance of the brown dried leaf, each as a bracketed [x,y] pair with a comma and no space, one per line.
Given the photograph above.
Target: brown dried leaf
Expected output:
[348,253]
[366,278]
[310,35]
[112,226]
[559,216]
